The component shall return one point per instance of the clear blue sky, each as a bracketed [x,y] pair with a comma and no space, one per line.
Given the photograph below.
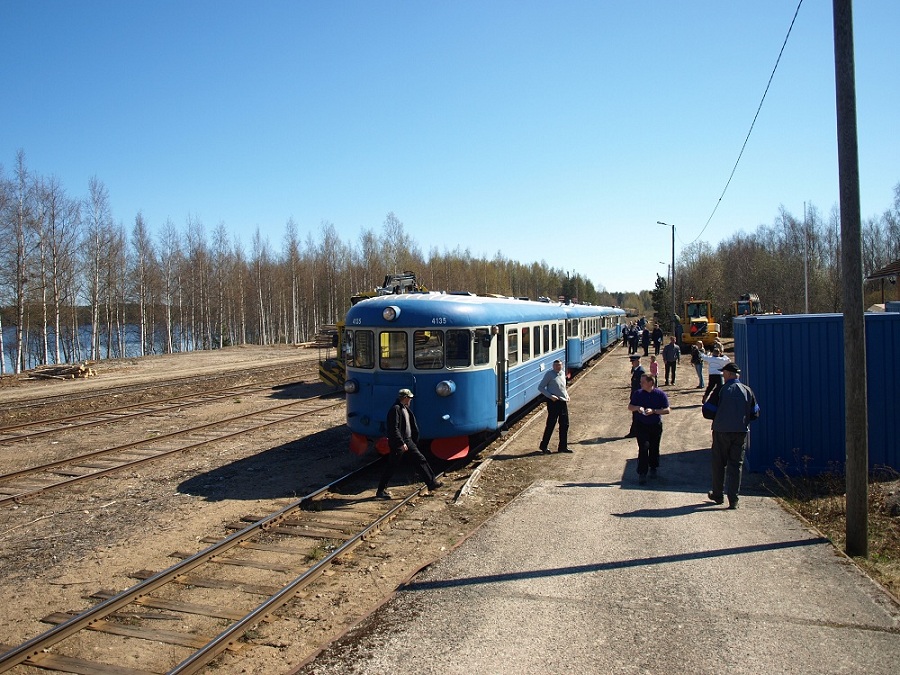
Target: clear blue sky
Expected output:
[556,131]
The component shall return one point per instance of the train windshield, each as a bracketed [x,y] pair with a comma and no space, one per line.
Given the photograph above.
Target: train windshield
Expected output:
[428,348]
[432,349]
[393,350]
[359,346]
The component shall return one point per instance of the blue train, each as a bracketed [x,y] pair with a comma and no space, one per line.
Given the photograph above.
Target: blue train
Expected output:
[471,361]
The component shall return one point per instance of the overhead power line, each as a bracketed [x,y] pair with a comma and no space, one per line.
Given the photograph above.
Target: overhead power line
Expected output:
[762,100]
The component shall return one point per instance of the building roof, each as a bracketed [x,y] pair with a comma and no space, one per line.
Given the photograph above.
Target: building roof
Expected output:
[890,270]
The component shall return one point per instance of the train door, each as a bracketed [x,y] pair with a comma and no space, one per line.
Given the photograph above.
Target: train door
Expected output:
[502,370]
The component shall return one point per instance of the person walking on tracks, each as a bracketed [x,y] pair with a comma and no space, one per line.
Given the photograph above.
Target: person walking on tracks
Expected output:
[735,407]
[648,404]
[553,387]
[402,435]
[672,356]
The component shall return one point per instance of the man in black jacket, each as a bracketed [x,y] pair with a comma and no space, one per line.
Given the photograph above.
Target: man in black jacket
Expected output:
[402,434]
[637,370]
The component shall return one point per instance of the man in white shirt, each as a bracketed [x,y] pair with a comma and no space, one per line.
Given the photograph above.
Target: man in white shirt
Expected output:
[715,362]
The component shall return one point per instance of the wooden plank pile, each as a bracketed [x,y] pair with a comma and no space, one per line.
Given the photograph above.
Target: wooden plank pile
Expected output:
[64,371]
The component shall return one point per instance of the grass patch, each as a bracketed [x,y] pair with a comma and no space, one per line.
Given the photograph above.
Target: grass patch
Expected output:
[821,500]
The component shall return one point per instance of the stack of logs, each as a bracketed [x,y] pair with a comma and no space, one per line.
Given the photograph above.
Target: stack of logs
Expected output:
[64,371]
[325,336]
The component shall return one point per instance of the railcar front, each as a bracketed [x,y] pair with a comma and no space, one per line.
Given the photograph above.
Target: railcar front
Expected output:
[469,361]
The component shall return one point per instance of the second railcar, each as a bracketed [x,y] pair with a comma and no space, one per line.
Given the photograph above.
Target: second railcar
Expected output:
[590,331]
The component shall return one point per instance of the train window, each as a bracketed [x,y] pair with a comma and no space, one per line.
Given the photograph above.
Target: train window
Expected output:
[554,337]
[512,347]
[458,351]
[526,344]
[363,354]
[482,346]
[394,352]
[536,339]
[573,328]
[546,338]
[428,349]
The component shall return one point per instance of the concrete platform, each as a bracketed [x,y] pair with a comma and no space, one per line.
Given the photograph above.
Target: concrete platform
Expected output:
[588,572]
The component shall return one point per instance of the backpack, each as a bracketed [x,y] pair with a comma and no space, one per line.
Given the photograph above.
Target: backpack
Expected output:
[711,407]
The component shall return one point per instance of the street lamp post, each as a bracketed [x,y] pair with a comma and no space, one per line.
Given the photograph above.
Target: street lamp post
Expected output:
[659,222]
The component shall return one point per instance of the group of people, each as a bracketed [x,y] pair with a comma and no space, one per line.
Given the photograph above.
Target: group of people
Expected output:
[731,404]
[636,335]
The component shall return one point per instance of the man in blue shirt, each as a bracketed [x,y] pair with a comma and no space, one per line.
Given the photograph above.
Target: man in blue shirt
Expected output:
[736,408]
[648,404]
[553,386]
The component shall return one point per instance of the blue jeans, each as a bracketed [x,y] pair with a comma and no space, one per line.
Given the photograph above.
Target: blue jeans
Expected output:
[699,368]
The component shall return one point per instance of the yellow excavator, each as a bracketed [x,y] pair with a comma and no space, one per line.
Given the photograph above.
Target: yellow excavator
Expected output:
[331,368]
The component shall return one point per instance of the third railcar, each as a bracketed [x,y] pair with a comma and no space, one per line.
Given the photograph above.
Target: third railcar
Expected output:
[470,361]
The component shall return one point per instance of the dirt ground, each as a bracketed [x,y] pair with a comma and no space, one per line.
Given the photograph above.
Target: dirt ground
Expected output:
[55,549]
[58,548]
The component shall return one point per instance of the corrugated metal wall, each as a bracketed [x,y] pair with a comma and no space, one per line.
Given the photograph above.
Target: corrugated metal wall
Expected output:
[795,366]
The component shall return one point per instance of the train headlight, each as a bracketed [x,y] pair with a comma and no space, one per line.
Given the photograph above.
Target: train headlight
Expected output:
[445,388]
[351,386]
[391,313]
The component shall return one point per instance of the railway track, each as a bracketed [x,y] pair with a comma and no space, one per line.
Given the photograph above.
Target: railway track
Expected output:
[203,604]
[26,431]
[55,400]
[37,480]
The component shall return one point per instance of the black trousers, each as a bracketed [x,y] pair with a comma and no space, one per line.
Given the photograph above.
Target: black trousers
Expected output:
[557,411]
[648,438]
[414,457]
[670,368]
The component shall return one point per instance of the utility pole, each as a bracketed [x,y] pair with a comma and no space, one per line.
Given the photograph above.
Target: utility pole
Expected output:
[805,262]
[855,407]
[659,222]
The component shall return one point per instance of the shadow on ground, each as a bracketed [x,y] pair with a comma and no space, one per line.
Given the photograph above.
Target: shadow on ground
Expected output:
[290,470]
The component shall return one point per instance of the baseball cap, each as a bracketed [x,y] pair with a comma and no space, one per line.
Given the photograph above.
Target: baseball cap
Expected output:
[404,393]
[634,357]
[732,368]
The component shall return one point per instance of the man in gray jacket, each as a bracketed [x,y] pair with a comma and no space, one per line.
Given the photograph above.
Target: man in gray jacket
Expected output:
[553,387]
[736,408]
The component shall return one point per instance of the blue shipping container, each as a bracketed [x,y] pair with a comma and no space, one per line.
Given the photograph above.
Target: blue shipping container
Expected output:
[795,366]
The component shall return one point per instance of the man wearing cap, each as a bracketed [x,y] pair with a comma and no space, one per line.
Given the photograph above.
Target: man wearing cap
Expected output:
[736,408]
[637,370]
[402,434]
[553,387]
